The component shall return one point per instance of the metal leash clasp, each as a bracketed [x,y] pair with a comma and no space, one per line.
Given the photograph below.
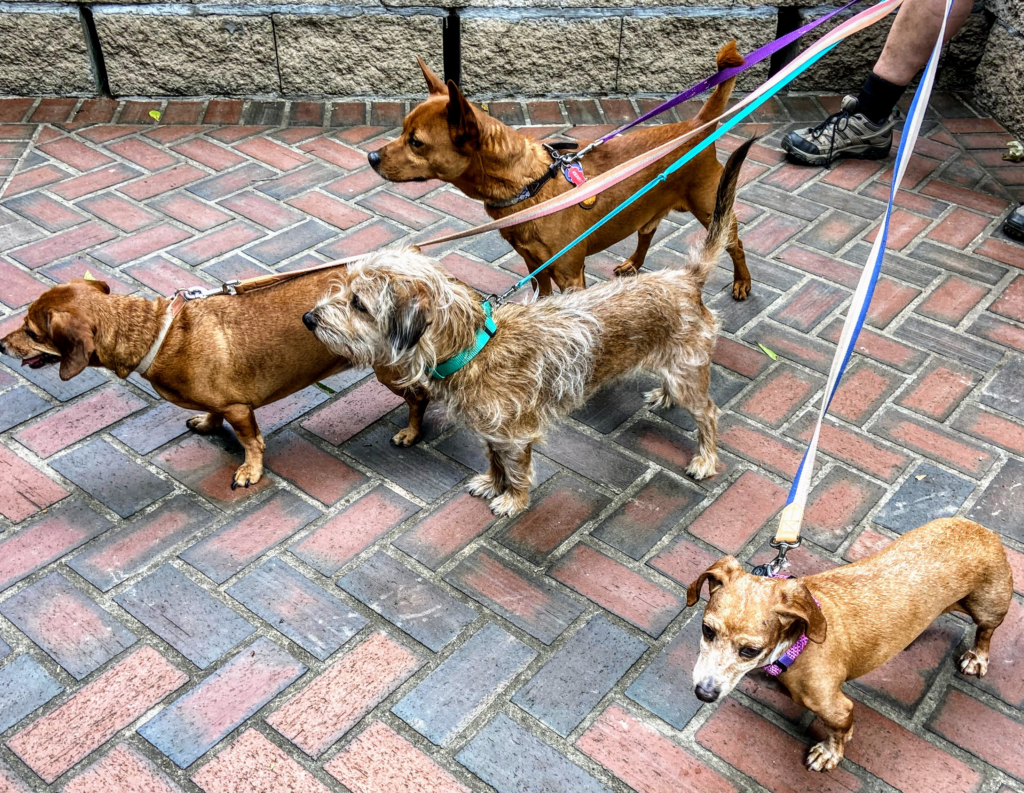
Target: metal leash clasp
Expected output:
[198,292]
[773,567]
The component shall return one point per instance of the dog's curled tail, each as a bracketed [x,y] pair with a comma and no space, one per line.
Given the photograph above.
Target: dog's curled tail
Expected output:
[703,261]
[728,57]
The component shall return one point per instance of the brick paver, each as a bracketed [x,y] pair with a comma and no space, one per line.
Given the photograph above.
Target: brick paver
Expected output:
[357,622]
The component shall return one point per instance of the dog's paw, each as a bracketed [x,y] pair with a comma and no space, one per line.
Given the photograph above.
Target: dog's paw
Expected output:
[246,475]
[406,437]
[702,467]
[483,485]
[657,398]
[204,423]
[821,757]
[971,663]
[509,503]
[626,268]
[741,289]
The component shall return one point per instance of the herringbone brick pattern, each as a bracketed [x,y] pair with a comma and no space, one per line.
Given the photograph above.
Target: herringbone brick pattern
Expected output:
[358,622]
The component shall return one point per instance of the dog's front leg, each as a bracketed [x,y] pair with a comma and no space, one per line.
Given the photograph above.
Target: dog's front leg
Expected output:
[243,422]
[205,423]
[492,482]
[644,238]
[835,711]
[517,462]
[417,398]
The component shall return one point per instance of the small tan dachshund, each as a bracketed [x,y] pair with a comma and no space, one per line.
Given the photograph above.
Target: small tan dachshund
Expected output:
[226,355]
[855,618]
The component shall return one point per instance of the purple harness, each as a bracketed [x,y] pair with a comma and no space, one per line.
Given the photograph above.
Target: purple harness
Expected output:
[788,657]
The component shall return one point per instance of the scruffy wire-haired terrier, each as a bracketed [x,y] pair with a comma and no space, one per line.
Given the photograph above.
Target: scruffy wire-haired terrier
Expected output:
[401,310]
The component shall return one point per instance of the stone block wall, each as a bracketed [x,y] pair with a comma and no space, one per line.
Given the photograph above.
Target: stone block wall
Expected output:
[999,83]
[501,48]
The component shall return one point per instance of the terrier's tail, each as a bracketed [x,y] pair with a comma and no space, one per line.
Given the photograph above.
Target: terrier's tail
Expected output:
[703,260]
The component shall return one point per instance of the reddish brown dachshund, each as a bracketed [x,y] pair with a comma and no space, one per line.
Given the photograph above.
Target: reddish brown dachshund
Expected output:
[447,138]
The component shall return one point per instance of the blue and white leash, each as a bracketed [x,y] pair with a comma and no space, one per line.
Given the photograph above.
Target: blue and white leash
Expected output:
[788,533]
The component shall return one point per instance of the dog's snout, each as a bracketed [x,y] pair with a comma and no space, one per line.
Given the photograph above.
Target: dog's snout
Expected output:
[309,320]
[374,158]
[3,350]
[706,691]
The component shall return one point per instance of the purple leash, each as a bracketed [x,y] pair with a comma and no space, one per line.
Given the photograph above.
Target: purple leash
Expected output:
[753,58]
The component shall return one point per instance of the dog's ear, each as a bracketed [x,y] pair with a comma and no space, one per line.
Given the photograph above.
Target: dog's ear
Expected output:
[435,85]
[721,572]
[462,124]
[798,605]
[73,337]
[410,318]
[101,286]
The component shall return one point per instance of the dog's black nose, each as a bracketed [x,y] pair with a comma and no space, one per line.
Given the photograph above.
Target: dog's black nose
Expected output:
[706,691]
[309,320]
[374,159]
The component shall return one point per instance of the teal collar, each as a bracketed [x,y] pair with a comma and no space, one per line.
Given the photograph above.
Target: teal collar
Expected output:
[483,335]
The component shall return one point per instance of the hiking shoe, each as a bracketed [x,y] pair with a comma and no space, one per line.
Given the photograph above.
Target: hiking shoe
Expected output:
[843,134]
[1014,225]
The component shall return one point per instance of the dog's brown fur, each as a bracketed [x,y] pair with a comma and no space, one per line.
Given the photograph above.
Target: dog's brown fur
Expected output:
[226,355]
[447,138]
[869,611]
[403,310]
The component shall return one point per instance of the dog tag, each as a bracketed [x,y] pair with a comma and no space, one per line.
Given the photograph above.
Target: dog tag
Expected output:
[574,175]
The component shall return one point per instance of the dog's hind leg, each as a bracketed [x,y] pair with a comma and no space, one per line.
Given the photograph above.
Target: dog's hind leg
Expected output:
[644,236]
[689,387]
[987,606]
[703,207]
[518,463]
[243,421]
[205,423]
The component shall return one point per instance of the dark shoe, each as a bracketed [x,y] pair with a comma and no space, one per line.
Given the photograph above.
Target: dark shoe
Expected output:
[843,134]
[1014,225]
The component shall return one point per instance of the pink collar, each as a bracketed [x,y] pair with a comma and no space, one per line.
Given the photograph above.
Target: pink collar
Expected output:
[787,658]
[778,667]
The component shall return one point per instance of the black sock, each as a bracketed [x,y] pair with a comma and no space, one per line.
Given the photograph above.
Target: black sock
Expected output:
[878,97]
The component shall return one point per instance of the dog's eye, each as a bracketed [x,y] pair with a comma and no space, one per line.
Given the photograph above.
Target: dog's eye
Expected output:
[709,632]
[750,652]
[415,142]
[31,334]
[358,304]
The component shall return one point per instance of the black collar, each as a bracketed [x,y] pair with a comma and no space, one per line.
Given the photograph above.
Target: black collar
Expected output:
[557,160]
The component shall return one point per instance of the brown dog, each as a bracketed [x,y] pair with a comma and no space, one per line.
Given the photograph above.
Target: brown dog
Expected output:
[447,138]
[856,617]
[402,310]
[226,355]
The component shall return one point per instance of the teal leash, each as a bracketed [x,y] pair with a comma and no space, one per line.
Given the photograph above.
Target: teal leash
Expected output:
[660,178]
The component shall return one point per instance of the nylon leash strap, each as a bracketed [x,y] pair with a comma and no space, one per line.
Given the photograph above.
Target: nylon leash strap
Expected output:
[787,535]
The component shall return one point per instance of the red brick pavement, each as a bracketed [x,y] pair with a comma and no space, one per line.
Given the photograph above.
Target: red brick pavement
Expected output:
[358,605]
